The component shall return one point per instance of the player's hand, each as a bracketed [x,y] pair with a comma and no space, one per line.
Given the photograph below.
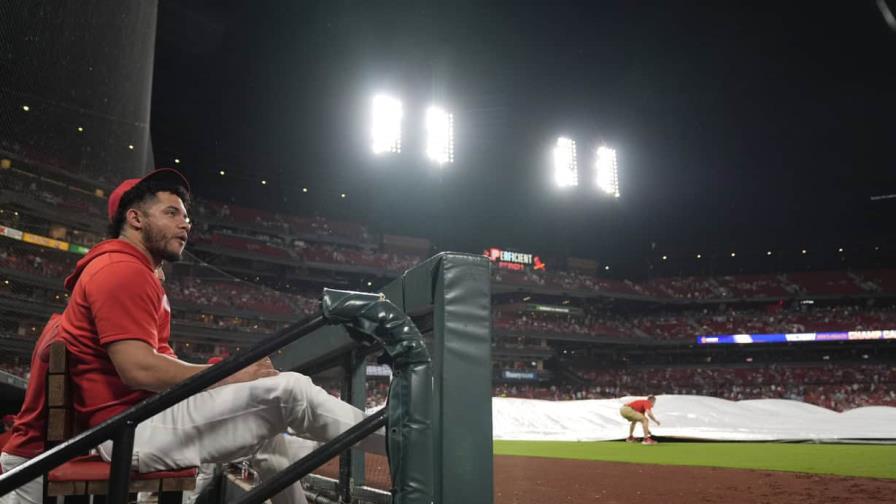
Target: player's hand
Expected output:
[658,423]
[260,369]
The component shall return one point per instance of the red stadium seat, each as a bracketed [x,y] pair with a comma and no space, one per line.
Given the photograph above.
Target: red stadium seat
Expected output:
[89,475]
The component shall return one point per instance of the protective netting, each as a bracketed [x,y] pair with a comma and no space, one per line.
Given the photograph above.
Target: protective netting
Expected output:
[75,95]
[75,85]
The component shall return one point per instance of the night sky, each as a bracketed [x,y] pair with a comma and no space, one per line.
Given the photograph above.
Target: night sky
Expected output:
[739,126]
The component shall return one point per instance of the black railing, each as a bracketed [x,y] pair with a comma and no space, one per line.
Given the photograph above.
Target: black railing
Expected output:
[368,318]
[315,459]
[121,428]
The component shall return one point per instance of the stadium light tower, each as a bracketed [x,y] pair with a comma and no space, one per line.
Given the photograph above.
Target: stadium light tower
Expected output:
[606,175]
[385,127]
[439,135]
[566,173]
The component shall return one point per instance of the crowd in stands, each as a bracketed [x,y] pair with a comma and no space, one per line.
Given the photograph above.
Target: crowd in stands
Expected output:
[54,266]
[332,254]
[302,237]
[316,227]
[306,239]
[688,324]
[609,325]
[838,387]
[517,342]
[848,317]
[570,280]
[325,241]
[250,325]
[56,194]
[257,246]
[32,157]
[770,286]
[16,365]
[37,262]
[665,325]
[302,251]
[218,293]
[236,294]
[377,393]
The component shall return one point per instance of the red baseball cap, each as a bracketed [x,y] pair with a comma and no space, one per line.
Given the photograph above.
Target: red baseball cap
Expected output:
[161,174]
[215,359]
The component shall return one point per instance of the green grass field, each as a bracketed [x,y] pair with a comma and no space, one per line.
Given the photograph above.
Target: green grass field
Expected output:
[869,461]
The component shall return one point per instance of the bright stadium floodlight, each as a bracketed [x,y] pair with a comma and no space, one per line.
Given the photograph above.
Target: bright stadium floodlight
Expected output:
[606,175]
[439,135]
[385,128]
[566,173]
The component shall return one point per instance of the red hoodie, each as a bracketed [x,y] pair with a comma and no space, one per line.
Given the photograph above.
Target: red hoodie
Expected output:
[27,434]
[115,296]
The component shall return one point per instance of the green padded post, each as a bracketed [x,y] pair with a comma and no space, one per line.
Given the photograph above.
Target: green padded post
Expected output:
[358,400]
[456,289]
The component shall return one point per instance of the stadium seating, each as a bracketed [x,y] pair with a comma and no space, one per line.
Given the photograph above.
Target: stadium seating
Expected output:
[211,303]
[687,324]
[837,283]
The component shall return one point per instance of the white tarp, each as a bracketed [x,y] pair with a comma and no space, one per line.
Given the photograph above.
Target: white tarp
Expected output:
[690,417]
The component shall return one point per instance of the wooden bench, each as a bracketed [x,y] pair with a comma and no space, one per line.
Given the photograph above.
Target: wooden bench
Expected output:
[89,474]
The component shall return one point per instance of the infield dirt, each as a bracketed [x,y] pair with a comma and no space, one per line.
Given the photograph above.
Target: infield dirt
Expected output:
[531,480]
[537,480]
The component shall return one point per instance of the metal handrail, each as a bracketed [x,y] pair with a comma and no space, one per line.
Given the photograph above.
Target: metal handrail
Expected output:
[368,318]
[302,467]
[118,426]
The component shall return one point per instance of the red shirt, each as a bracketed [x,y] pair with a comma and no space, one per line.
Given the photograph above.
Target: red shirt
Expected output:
[4,437]
[115,296]
[26,437]
[641,405]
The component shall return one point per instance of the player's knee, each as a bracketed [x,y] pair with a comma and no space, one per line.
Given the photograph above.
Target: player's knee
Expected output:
[296,381]
[286,385]
[294,377]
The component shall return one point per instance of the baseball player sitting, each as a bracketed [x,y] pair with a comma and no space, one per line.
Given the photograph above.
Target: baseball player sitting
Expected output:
[116,327]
